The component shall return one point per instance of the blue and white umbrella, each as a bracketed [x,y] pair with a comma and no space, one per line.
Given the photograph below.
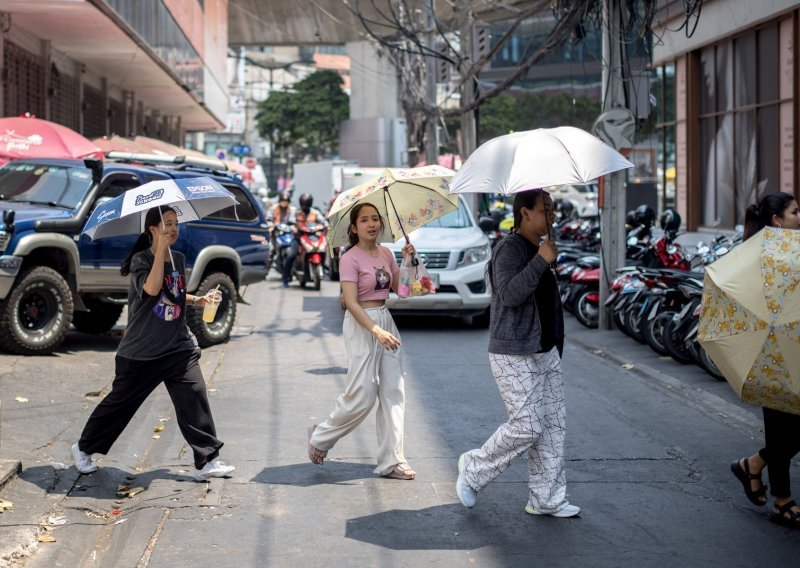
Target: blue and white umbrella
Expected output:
[191,198]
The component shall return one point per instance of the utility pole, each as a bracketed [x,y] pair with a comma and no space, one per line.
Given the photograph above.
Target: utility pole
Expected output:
[612,213]
[469,134]
[431,137]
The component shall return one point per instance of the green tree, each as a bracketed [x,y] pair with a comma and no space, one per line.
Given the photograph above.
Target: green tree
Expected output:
[526,111]
[308,116]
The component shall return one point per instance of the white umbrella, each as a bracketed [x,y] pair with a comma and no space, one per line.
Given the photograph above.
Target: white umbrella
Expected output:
[535,159]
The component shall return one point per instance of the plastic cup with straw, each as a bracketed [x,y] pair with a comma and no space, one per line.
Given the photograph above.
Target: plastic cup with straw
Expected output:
[210,309]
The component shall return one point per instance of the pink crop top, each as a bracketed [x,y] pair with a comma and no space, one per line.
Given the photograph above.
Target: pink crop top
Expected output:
[372,274]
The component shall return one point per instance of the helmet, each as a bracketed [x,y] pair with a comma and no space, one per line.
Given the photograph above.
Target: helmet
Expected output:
[645,216]
[630,218]
[567,209]
[283,196]
[670,220]
[306,201]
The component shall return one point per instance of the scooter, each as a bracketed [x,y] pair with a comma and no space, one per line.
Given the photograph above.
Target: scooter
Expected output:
[283,236]
[313,241]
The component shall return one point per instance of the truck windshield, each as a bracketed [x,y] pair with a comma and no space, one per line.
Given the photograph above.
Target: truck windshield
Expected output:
[458,219]
[44,184]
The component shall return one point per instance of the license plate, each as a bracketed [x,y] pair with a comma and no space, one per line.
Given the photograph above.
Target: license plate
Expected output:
[434,278]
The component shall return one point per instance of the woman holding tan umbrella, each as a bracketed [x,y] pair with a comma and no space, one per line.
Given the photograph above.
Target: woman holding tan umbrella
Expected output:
[781,429]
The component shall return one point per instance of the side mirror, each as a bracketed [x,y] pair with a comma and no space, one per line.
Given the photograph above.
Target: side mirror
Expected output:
[632,241]
[487,224]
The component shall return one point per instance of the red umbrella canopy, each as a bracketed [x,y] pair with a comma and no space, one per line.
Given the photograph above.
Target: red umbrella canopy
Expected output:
[29,137]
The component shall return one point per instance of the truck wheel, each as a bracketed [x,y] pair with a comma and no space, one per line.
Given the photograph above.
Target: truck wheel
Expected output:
[100,319]
[220,329]
[35,317]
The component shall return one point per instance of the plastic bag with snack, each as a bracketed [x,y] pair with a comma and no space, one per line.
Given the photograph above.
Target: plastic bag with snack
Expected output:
[414,278]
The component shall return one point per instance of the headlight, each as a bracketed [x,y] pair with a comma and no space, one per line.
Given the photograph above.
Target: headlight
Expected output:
[475,255]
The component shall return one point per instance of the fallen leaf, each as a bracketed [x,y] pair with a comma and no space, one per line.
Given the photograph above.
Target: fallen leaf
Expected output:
[115,512]
[628,366]
[158,428]
[45,538]
[21,399]
[46,527]
[156,436]
[94,394]
[5,505]
[163,419]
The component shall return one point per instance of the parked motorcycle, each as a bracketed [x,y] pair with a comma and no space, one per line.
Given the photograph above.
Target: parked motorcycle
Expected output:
[313,239]
[282,235]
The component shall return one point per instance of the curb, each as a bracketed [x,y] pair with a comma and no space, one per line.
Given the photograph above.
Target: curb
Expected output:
[697,397]
[9,470]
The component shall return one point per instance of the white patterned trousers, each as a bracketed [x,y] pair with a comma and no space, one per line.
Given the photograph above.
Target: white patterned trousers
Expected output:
[533,392]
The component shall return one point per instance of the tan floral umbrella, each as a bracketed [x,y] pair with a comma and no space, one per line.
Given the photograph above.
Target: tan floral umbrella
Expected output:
[406,198]
[750,318]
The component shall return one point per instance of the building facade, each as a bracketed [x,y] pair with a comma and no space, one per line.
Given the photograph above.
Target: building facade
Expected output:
[103,67]
[728,98]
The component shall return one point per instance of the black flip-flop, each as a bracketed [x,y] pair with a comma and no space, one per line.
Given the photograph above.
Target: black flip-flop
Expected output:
[746,477]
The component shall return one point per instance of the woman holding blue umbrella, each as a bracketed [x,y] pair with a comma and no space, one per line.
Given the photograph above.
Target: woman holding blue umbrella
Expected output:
[157,347]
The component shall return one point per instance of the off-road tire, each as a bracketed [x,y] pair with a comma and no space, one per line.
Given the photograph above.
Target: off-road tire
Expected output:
[100,319]
[219,330]
[35,316]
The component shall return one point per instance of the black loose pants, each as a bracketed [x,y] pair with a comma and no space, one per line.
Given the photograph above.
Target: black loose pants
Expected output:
[782,443]
[134,380]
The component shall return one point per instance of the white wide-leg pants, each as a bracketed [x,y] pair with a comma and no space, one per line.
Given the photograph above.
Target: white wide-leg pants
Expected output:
[373,373]
[533,391]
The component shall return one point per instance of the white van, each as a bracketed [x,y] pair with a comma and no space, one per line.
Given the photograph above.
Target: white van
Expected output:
[455,252]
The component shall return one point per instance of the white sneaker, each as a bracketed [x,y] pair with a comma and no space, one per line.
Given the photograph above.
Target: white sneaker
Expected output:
[466,494]
[566,511]
[83,461]
[214,468]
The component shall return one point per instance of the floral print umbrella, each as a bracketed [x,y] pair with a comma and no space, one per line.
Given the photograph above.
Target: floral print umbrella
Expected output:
[750,318]
[406,198]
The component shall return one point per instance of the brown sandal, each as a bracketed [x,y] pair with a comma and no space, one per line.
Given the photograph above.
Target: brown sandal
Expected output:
[316,456]
[401,471]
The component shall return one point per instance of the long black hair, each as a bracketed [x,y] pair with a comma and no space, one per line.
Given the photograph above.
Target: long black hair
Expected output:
[524,199]
[758,216]
[151,219]
[352,236]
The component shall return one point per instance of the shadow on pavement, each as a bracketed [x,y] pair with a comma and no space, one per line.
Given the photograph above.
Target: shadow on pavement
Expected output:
[102,484]
[309,474]
[452,527]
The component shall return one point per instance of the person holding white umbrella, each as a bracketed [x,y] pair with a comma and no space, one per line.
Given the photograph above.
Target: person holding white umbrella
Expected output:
[157,347]
[526,339]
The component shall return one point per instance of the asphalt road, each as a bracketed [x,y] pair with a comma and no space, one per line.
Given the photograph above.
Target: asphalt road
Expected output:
[647,459]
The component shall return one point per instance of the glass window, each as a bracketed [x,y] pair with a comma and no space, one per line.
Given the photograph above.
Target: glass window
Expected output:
[723,146]
[746,161]
[708,182]
[457,219]
[709,82]
[744,58]
[768,150]
[57,186]
[669,92]
[768,64]
[724,76]
[244,211]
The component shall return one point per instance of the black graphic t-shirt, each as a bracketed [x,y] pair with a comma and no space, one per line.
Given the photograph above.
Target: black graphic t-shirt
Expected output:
[156,324]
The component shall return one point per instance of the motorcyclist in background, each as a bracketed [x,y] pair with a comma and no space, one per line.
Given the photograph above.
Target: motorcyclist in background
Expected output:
[306,215]
[281,212]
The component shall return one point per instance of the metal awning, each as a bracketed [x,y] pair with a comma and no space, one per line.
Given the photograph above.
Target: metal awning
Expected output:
[95,36]
[280,22]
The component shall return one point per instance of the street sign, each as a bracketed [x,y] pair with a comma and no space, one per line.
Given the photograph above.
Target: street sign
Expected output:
[240,149]
[221,154]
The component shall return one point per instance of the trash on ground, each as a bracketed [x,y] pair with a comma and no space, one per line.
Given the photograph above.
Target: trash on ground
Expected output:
[59,465]
[156,436]
[158,428]
[45,538]
[56,521]
[21,399]
[119,522]
[628,366]
[5,505]
[94,394]
[163,419]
